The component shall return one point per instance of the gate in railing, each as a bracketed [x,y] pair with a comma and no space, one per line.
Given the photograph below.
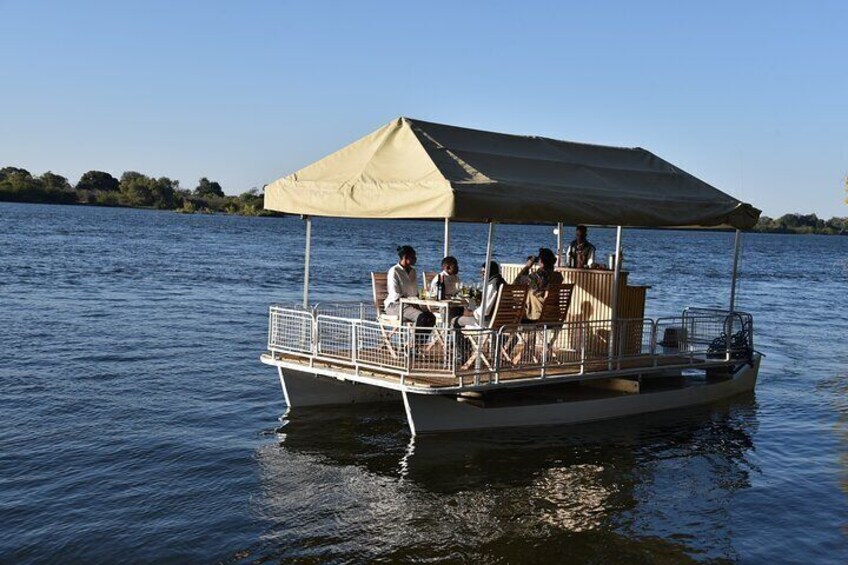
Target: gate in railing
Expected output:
[290,330]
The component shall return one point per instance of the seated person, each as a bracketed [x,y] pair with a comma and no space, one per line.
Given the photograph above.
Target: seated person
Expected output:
[448,274]
[538,280]
[580,253]
[403,283]
[475,317]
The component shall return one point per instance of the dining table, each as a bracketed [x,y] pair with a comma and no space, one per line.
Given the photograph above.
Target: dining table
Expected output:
[432,304]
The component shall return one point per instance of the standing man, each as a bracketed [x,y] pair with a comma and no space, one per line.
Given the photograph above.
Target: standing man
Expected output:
[581,253]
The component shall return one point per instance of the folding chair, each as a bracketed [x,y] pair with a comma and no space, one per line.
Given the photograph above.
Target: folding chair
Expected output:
[554,311]
[380,290]
[509,307]
[427,277]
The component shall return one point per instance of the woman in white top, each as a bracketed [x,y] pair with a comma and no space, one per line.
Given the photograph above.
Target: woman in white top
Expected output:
[448,274]
[403,283]
[494,284]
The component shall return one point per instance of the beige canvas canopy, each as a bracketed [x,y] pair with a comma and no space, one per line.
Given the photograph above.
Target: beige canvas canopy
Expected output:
[414,169]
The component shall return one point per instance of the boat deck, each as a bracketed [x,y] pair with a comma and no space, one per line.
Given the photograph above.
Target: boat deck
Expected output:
[355,348]
[466,379]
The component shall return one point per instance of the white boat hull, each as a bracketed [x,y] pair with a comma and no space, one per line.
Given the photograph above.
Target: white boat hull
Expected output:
[301,389]
[431,413]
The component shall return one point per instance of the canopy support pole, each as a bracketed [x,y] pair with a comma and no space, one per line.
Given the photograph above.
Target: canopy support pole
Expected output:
[306,261]
[559,244]
[613,338]
[737,244]
[483,301]
[447,237]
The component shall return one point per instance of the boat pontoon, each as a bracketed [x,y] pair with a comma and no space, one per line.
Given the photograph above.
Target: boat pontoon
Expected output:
[596,363]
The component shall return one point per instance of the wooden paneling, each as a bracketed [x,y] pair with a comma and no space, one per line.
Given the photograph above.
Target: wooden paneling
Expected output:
[592,298]
[592,302]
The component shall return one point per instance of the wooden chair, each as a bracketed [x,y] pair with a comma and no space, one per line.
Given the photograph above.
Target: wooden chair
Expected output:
[556,304]
[554,311]
[509,308]
[380,290]
[427,278]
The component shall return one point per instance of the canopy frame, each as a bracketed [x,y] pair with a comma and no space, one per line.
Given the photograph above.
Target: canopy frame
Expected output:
[412,169]
[617,262]
[306,256]
[737,244]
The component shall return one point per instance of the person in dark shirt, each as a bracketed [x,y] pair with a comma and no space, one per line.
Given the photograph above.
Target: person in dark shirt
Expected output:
[581,253]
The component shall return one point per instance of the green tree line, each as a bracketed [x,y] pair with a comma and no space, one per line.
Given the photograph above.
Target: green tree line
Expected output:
[133,189]
[141,191]
[802,223]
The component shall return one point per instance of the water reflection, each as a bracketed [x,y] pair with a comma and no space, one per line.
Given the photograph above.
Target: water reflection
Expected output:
[345,484]
[836,389]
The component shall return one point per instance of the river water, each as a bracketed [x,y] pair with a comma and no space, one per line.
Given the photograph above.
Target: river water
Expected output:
[138,424]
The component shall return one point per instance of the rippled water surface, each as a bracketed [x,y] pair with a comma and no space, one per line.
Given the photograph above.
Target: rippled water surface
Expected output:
[139,425]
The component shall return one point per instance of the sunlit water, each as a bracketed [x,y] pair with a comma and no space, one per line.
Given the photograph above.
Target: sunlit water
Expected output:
[138,423]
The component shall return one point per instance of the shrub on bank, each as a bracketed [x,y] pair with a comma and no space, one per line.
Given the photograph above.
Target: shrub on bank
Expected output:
[18,185]
[802,224]
[134,190]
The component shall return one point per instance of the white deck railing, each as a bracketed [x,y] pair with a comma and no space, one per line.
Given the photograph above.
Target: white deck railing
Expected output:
[346,334]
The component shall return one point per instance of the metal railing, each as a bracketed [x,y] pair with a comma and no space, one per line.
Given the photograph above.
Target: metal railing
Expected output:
[347,334]
[350,310]
[290,330]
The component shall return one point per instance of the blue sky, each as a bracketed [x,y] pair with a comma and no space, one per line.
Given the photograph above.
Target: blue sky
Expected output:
[749,96]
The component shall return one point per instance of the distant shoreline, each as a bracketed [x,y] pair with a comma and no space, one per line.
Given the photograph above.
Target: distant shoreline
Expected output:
[262,213]
[770,226]
[135,190]
[132,190]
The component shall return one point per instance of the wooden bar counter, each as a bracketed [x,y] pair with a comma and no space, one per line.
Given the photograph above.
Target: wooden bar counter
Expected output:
[593,291]
[592,298]
[592,301]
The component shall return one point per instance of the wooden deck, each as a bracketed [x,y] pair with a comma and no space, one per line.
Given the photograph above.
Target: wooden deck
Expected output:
[434,376]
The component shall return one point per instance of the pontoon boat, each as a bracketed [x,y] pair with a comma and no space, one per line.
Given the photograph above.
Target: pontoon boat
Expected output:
[592,356]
